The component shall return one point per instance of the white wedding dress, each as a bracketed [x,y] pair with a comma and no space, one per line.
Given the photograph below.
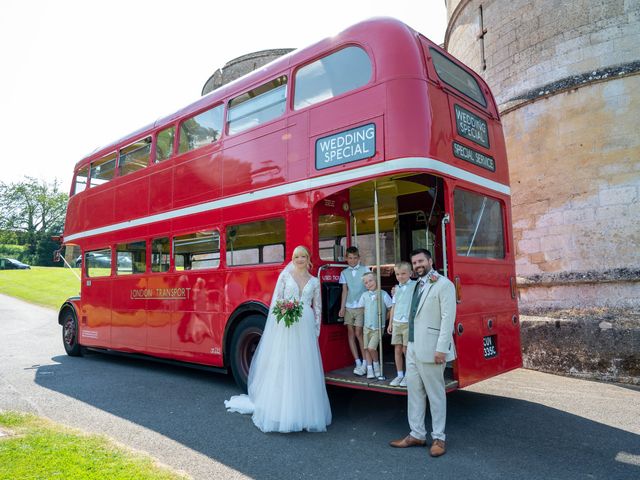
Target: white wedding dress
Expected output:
[286,385]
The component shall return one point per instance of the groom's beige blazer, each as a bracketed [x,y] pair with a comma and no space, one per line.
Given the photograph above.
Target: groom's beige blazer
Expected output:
[434,321]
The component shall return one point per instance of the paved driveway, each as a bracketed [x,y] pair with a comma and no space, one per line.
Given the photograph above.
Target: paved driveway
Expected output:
[524,425]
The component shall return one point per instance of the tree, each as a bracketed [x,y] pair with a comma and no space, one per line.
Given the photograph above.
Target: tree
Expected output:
[34,210]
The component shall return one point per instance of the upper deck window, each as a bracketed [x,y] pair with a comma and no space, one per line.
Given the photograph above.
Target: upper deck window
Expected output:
[164,144]
[134,157]
[257,106]
[201,130]
[81,180]
[333,75]
[103,170]
[457,77]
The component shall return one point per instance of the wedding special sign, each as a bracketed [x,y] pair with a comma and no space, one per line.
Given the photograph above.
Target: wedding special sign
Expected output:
[344,147]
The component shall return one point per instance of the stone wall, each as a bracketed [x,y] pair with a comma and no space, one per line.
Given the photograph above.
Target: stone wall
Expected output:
[531,43]
[566,76]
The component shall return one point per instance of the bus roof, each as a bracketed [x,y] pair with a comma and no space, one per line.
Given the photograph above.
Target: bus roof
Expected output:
[376,32]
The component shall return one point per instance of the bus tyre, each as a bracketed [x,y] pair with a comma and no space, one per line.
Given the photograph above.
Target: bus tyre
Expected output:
[70,333]
[243,345]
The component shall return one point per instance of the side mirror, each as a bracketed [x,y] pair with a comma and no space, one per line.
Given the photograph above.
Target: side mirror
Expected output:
[56,256]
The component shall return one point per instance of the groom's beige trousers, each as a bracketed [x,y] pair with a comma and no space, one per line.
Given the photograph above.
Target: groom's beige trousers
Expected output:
[425,379]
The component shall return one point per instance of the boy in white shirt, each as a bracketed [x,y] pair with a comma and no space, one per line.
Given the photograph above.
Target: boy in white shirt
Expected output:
[371,333]
[399,324]
[352,290]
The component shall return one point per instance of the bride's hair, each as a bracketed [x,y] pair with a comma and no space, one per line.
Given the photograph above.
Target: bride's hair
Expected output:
[302,250]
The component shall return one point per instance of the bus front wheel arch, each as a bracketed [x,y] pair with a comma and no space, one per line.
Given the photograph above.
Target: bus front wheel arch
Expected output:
[69,323]
[244,342]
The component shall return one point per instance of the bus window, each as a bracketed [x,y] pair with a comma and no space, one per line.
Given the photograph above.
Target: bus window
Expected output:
[81,180]
[479,230]
[134,157]
[103,170]
[98,263]
[332,230]
[160,254]
[257,106]
[131,258]
[201,130]
[457,77]
[333,75]
[197,251]
[164,144]
[256,242]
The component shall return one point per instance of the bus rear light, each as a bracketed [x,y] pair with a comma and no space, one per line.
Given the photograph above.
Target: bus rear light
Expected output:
[514,319]
[512,284]
[460,329]
[458,289]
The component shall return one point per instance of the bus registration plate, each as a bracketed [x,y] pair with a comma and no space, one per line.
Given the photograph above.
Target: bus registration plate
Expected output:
[490,348]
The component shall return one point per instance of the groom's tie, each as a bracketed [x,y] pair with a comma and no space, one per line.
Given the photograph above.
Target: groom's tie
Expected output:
[415,300]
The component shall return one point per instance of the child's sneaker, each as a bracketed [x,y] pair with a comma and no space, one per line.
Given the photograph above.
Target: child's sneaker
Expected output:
[359,370]
[403,382]
[376,370]
[370,373]
[396,381]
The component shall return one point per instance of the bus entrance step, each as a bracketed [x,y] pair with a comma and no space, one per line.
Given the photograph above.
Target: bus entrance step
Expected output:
[344,377]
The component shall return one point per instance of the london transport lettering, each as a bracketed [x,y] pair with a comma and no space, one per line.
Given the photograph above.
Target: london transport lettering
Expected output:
[160,293]
[345,147]
[471,127]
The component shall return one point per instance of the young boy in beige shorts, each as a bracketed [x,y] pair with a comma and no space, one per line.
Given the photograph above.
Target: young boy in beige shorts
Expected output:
[372,324]
[399,325]
[352,290]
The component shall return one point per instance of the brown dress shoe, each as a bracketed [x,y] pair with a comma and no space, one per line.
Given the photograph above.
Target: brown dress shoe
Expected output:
[437,448]
[408,441]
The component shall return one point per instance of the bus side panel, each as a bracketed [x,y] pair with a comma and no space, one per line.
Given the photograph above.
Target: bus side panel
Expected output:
[102,201]
[196,323]
[161,189]
[408,119]
[95,313]
[129,313]
[198,179]
[132,197]
[255,160]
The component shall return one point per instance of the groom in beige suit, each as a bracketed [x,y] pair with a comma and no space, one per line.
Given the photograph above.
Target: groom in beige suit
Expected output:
[433,312]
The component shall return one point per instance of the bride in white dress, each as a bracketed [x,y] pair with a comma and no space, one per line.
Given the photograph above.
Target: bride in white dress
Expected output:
[286,385]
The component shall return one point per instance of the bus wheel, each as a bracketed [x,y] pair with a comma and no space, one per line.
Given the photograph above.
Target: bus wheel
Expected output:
[243,345]
[70,334]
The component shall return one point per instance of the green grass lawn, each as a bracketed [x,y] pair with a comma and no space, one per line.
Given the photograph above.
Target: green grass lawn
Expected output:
[47,286]
[38,448]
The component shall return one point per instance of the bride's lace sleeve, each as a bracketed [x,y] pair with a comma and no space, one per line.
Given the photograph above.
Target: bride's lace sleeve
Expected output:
[317,306]
[278,291]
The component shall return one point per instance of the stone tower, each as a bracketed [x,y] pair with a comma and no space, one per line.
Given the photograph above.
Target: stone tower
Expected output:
[566,76]
[240,66]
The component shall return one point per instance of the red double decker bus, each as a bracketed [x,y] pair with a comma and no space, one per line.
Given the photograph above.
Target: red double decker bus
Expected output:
[375,137]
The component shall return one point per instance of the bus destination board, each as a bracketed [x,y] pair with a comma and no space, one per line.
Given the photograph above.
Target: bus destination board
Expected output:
[471,126]
[472,156]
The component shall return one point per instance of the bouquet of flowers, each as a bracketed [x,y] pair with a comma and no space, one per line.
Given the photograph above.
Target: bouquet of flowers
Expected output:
[289,311]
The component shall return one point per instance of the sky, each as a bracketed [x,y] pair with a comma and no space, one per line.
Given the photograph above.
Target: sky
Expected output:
[77,75]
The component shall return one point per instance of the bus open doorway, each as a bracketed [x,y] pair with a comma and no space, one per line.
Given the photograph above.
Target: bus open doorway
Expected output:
[387,219]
